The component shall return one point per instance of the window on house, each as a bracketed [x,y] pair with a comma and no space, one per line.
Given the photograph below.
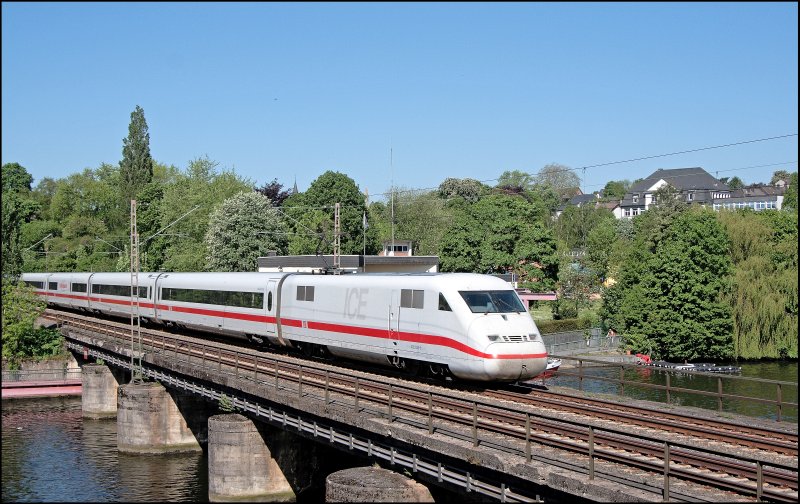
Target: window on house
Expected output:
[690,196]
[636,198]
[627,212]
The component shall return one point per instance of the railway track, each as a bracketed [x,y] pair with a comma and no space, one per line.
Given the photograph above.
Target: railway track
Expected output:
[517,416]
[749,436]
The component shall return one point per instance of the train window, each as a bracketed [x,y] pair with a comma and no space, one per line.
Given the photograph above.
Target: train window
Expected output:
[38,285]
[79,287]
[498,301]
[221,298]
[305,293]
[116,290]
[411,298]
[52,286]
[417,299]
[443,304]
[269,302]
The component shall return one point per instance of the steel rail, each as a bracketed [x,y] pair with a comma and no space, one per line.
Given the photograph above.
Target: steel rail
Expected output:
[772,440]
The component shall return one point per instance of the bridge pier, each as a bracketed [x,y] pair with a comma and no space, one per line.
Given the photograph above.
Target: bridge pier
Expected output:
[373,484]
[240,465]
[98,391]
[149,420]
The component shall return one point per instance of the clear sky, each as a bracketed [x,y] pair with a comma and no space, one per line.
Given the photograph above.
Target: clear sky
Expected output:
[285,91]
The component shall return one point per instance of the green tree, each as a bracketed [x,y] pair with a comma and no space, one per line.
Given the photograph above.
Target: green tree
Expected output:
[185,209]
[243,228]
[537,258]
[790,197]
[17,208]
[420,216]
[323,194]
[136,167]
[735,183]
[575,224]
[615,190]
[668,299]
[501,234]
[600,247]
[559,177]
[21,308]
[763,290]
[469,189]
[515,178]
[779,175]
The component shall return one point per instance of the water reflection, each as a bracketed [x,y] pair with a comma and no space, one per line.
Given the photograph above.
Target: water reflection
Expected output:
[758,392]
[51,454]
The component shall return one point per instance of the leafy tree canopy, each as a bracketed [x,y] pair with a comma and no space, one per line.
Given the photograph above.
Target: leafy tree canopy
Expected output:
[615,189]
[516,179]
[559,177]
[241,229]
[323,194]
[469,189]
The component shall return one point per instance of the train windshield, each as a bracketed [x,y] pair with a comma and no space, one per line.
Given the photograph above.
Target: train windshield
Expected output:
[495,301]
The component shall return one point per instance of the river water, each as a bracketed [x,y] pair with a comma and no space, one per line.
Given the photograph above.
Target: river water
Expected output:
[776,370]
[51,454]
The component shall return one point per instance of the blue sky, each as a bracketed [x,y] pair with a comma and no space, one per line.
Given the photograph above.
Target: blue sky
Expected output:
[285,91]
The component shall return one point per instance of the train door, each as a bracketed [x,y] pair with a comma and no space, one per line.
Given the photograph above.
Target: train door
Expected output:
[270,305]
[394,321]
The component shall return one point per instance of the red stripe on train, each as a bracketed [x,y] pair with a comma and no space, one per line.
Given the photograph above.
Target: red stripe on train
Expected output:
[324,326]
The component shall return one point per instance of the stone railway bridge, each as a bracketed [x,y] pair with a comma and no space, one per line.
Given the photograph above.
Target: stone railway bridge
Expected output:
[292,416]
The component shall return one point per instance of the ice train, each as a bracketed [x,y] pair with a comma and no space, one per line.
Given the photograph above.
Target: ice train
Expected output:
[469,326]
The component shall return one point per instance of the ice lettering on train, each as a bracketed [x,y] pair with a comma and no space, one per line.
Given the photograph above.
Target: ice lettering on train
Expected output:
[354,300]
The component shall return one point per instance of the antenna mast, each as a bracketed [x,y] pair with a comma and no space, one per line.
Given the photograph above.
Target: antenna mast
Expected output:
[391,167]
[336,240]
[136,328]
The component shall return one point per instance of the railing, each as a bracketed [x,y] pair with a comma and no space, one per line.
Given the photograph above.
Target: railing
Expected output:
[571,341]
[18,375]
[722,382]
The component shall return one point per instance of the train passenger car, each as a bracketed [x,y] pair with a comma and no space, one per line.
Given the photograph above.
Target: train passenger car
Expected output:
[472,326]
[69,290]
[38,281]
[110,293]
[242,305]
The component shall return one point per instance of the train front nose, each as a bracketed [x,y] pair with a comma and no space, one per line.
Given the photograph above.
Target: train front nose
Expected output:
[513,349]
[512,362]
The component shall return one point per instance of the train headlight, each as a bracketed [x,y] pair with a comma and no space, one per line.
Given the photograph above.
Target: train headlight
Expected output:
[493,337]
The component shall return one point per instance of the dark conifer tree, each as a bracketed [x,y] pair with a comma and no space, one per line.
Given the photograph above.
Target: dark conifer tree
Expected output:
[136,167]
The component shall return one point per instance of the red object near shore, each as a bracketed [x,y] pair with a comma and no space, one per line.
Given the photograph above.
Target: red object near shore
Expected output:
[44,388]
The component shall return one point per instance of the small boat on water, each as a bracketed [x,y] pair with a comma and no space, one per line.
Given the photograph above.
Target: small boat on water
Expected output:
[553,364]
[703,367]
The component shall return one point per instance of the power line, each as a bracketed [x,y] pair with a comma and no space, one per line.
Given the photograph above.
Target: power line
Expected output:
[598,165]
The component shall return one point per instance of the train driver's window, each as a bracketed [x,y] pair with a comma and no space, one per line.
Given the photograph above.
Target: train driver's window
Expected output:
[443,305]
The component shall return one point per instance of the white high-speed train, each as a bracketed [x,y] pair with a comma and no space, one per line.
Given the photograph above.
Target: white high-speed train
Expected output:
[470,326]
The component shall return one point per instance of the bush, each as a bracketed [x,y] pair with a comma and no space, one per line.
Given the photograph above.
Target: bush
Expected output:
[21,340]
